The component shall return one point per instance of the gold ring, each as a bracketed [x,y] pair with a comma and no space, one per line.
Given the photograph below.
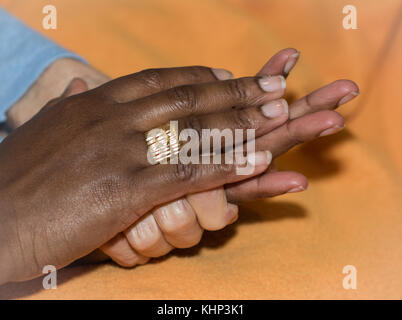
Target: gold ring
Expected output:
[163,143]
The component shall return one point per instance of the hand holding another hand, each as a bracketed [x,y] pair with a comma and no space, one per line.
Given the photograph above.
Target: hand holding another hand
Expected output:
[77,174]
[76,177]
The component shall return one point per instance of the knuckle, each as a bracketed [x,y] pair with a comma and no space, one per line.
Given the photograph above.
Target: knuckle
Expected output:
[242,120]
[151,78]
[183,97]
[187,173]
[240,89]
[196,73]
[193,122]
[146,239]
[309,102]
[173,226]
[226,169]
[292,135]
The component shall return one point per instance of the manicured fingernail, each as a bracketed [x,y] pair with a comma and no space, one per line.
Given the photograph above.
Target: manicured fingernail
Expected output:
[275,108]
[259,158]
[348,97]
[222,74]
[331,130]
[272,83]
[291,62]
[296,189]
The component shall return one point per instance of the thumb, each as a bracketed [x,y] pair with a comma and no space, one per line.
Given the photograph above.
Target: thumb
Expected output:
[76,86]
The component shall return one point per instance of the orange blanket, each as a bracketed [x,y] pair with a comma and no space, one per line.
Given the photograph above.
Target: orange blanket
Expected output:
[293,246]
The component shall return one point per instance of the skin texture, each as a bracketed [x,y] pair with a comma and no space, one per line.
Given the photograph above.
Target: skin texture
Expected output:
[180,224]
[76,174]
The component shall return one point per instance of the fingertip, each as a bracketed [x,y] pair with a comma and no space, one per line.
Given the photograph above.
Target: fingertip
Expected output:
[321,119]
[351,91]
[276,64]
[345,89]
[297,183]
[291,62]
[222,74]
[346,86]
[232,213]
[332,118]
[76,86]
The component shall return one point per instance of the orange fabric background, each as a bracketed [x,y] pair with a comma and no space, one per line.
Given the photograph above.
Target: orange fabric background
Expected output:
[293,246]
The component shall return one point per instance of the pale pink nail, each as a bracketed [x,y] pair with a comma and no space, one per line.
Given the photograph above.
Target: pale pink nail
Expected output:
[222,74]
[259,158]
[272,83]
[275,108]
[348,97]
[296,189]
[291,62]
[331,130]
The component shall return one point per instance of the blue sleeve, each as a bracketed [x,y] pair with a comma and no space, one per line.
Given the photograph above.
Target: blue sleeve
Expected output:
[24,55]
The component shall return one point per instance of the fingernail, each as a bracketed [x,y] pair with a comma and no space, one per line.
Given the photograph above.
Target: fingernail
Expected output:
[222,74]
[259,158]
[272,83]
[291,62]
[275,108]
[296,189]
[67,89]
[348,97]
[331,130]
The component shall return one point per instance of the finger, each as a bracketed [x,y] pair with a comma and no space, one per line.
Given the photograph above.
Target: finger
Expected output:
[214,132]
[299,130]
[150,81]
[212,209]
[121,252]
[172,181]
[204,98]
[76,86]
[261,119]
[146,238]
[281,63]
[179,224]
[279,141]
[269,184]
[328,97]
